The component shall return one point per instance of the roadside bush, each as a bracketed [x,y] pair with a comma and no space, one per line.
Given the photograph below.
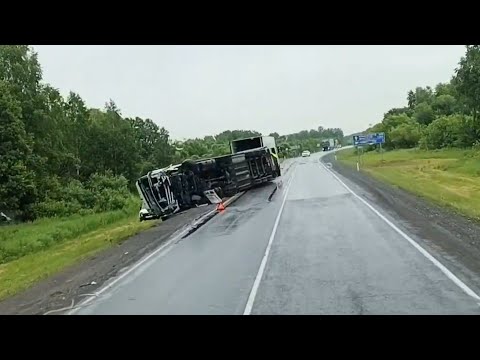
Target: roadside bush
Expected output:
[406,135]
[110,199]
[102,192]
[100,182]
[389,123]
[76,192]
[449,131]
[52,208]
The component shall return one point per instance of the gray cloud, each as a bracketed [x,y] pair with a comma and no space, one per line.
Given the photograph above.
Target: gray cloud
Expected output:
[201,90]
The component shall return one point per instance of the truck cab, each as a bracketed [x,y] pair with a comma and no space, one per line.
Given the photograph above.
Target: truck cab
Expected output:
[257,142]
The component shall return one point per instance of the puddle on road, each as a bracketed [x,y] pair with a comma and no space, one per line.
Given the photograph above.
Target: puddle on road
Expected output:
[232,218]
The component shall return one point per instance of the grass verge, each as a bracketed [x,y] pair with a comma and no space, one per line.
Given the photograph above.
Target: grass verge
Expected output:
[449,177]
[34,251]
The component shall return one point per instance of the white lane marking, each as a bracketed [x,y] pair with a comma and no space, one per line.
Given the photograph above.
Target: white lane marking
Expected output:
[258,278]
[424,252]
[148,257]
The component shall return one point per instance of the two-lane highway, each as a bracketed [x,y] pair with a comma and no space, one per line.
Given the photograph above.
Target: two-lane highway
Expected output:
[316,248]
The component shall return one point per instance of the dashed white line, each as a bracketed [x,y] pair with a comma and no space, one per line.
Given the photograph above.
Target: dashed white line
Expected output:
[258,278]
[439,265]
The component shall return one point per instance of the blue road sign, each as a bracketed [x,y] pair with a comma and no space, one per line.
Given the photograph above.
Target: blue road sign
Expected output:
[359,140]
[376,138]
[369,139]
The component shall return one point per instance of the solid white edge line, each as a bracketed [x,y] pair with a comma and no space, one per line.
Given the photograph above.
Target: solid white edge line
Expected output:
[425,253]
[258,278]
[148,257]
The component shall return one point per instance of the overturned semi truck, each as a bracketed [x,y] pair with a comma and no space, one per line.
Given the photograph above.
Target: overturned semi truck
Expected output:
[175,188]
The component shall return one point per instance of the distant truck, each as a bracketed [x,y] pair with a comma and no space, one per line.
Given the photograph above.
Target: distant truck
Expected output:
[268,142]
[331,143]
[328,144]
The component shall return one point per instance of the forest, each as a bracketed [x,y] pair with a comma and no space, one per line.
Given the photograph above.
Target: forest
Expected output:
[60,157]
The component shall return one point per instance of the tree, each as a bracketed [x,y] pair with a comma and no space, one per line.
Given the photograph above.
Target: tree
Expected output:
[412,102]
[392,121]
[398,111]
[405,135]
[444,105]
[275,135]
[112,144]
[152,141]
[445,89]
[77,119]
[424,113]
[17,190]
[423,95]
[51,134]
[467,79]
[21,71]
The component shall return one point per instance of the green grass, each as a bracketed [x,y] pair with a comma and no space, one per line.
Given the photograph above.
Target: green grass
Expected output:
[31,252]
[449,177]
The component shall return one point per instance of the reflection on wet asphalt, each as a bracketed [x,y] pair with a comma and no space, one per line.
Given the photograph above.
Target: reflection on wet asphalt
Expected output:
[330,255]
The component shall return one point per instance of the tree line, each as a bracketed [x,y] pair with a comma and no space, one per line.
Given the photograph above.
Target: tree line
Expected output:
[440,117]
[60,157]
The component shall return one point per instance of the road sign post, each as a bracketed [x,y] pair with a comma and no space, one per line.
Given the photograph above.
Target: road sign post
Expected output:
[370,139]
[359,141]
[358,160]
[379,138]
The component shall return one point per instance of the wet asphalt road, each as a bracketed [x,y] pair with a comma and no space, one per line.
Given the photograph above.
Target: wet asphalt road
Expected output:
[330,255]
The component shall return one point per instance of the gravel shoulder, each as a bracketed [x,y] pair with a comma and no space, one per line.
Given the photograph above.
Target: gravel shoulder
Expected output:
[452,238]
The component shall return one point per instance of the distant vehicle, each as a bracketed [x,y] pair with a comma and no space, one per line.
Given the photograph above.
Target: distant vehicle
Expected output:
[331,143]
[325,145]
[328,145]
[305,153]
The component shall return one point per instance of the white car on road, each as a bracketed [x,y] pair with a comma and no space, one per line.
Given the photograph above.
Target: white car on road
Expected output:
[305,153]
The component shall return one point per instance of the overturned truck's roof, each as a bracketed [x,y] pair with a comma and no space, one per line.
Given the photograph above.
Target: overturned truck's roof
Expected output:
[176,167]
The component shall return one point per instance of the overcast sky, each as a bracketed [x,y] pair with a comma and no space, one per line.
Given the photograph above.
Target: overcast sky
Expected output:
[201,90]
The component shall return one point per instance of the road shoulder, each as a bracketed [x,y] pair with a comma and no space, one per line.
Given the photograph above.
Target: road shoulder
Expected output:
[452,238]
